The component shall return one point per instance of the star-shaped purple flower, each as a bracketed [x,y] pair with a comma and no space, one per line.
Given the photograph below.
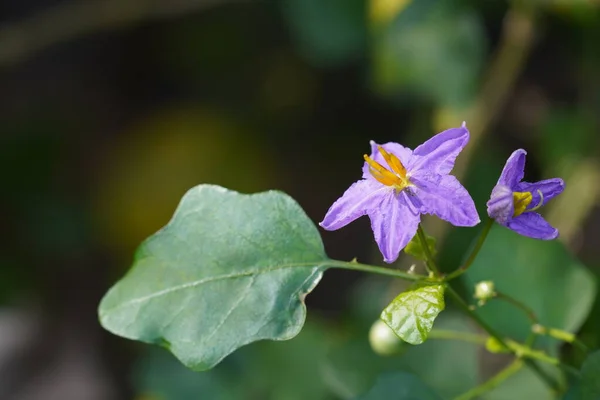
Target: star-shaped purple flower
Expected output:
[513,203]
[399,185]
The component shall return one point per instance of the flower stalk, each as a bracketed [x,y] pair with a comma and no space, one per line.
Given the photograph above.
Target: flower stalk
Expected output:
[480,241]
[429,261]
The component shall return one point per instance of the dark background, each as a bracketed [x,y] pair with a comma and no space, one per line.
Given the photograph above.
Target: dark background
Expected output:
[110,110]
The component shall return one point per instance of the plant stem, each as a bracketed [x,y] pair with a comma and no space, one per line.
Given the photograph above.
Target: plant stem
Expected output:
[480,240]
[560,335]
[492,382]
[522,306]
[540,329]
[530,363]
[431,265]
[352,265]
[522,350]
[467,310]
[457,335]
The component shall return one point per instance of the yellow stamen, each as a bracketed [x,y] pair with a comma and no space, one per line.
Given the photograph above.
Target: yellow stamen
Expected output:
[396,177]
[394,162]
[521,200]
[380,173]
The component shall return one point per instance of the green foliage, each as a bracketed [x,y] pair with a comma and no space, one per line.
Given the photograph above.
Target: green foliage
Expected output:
[328,32]
[557,146]
[228,269]
[415,248]
[267,370]
[433,48]
[291,370]
[400,386]
[590,374]
[411,314]
[354,367]
[541,274]
[157,375]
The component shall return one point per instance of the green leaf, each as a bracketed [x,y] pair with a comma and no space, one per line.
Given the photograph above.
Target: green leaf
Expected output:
[411,314]
[399,386]
[228,269]
[415,248]
[590,372]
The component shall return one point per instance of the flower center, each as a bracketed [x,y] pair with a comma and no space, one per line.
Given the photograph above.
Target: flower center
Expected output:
[522,200]
[395,178]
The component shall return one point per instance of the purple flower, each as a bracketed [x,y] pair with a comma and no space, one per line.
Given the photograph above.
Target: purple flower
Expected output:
[399,185]
[513,203]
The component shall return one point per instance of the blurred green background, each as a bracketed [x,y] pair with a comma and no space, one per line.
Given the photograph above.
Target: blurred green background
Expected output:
[110,110]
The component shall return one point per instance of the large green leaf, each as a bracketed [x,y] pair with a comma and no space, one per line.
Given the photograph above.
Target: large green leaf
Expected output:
[400,386]
[590,374]
[411,314]
[227,270]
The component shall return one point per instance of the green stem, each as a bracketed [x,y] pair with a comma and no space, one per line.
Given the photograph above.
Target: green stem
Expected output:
[352,265]
[467,310]
[457,335]
[540,329]
[493,382]
[530,363]
[431,265]
[480,240]
[521,350]
[522,306]
[560,335]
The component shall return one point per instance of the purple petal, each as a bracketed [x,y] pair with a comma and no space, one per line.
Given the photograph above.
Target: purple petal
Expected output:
[394,224]
[533,225]
[403,153]
[501,205]
[550,188]
[444,196]
[360,198]
[439,153]
[514,169]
